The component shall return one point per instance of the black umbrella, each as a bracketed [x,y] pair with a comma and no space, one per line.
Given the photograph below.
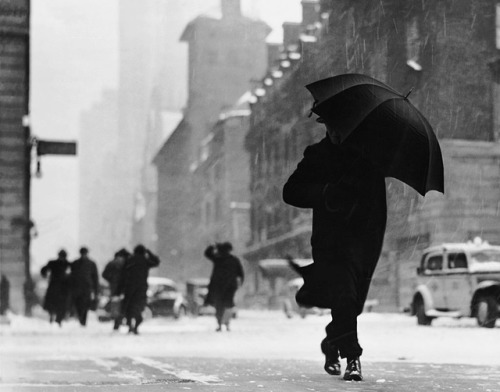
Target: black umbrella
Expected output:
[384,125]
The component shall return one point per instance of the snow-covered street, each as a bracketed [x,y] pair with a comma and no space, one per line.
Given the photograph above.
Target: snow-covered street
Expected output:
[190,349]
[259,334]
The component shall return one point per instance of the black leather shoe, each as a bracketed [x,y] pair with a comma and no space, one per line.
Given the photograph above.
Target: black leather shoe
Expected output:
[332,367]
[332,362]
[353,370]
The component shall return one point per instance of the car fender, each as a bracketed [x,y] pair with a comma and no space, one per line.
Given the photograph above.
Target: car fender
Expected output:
[487,284]
[483,286]
[426,295]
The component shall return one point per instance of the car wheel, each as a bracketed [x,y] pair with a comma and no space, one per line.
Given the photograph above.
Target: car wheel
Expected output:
[422,318]
[486,311]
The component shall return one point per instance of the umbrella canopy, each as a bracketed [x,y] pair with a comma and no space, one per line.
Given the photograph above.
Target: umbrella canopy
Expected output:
[384,126]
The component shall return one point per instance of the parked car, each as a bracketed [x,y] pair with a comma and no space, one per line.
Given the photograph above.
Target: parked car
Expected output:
[196,292]
[458,280]
[164,299]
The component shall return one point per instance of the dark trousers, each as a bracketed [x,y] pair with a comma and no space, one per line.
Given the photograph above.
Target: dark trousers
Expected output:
[223,314]
[342,334]
[82,306]
[343,281]
[134,322]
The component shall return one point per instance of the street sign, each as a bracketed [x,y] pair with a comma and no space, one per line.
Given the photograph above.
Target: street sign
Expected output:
[47,147]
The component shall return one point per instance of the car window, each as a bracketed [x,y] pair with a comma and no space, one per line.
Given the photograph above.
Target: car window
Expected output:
[166,288]
[457,260]
[486,255]
[434,263]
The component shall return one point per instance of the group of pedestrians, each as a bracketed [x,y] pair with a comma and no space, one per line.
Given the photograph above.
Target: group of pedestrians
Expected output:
[73,286]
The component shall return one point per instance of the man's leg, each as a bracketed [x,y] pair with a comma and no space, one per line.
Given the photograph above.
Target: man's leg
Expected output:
[342,333]
[219,314]
[83,313]
[332,362]
[226,317]
[138,321]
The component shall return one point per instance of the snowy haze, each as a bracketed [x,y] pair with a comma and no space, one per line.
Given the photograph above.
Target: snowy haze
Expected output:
[74,57]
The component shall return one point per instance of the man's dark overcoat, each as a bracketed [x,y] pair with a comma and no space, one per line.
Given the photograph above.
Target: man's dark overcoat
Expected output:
[56,296]
[223,284]
[84,278]
[134,284]
[112,273]
[348,198]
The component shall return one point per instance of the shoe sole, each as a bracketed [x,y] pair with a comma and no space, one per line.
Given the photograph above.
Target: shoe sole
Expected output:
[354,377]
[333,372]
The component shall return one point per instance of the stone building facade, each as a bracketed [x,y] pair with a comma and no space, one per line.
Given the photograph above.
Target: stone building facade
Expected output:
[224,173]
[226,50]
[15,149]
[447,52]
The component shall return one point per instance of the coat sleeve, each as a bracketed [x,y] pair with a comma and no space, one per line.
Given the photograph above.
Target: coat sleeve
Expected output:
[153,260]
[45,270]
[304,189]
[107,274]
[210,253]
[241,271]
[95,278]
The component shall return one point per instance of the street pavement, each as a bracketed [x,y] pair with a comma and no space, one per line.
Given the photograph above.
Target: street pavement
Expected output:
[216,374]
[263,352]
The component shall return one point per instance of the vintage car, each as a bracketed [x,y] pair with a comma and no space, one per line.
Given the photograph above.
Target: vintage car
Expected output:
[165,298]
[458,280]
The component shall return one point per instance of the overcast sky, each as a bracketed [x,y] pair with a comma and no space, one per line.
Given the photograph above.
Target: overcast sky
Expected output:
[74,57]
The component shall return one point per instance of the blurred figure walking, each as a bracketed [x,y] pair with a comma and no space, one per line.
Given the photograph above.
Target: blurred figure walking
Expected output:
[84,281]
[134,285]
[56,296]
[4,295]
[227,276]
[113,275]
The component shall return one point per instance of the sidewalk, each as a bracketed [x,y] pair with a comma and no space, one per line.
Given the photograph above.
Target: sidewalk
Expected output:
[202,374]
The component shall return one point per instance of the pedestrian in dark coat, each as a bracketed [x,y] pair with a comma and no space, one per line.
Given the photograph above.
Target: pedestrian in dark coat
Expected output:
[4,295]
[56,296]
[347,196]
[134,285]
[113,274]
[227,276]
[84,280]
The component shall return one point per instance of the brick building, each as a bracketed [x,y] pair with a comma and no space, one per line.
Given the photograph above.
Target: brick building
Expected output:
[447,52]
[15,149]
[226,50]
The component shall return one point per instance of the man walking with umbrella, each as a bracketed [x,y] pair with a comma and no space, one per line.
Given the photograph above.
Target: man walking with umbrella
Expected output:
[341,179]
